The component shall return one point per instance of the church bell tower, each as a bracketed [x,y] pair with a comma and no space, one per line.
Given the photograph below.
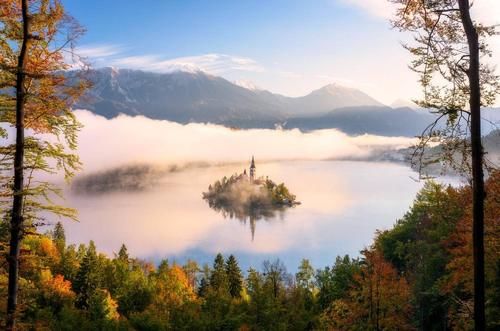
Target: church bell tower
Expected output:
[252,170]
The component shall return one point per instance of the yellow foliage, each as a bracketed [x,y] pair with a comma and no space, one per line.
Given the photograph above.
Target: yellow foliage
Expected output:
[49,249]
[173,289]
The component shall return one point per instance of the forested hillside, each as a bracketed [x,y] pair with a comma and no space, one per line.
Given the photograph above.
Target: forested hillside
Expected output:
[417,275]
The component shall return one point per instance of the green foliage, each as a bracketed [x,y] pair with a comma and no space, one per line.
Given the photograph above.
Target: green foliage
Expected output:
[88,279]
[416,246]
[334,283]
[59,237]
[234,277]
[218,276]
[51,127]
[412,277]
[442,60]
[238,195]
[279,193]
[102,306]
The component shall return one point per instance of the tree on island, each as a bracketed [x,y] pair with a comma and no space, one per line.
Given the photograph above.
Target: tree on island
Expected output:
[249,198]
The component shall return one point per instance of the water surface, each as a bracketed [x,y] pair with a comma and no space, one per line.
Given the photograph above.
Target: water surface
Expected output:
[343,203]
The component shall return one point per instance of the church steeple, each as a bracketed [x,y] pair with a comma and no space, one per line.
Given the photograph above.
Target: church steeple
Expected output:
[252,169]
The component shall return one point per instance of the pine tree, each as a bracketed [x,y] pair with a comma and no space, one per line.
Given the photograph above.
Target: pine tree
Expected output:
[120,270]
[218,277]
[205,281]
[203,287]
[68,266]
[87,280]
[59,237]
[234,277]
[123,253]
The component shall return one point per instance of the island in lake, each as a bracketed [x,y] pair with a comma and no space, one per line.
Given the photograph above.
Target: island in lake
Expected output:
[248,197]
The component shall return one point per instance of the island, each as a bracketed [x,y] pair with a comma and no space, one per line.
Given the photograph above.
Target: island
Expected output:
[248,197]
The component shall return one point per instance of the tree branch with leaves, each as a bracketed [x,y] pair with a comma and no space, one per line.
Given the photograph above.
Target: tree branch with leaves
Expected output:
[36,95]
[449,50]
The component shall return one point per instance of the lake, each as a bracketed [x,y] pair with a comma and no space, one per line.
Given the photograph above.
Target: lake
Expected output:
[343,204]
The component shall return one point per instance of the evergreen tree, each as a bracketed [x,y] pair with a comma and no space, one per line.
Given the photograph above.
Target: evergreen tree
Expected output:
[59,237]
[334,283]
[87,278]
[102,306]
[234,277]
[205,281]
[123,253]
[218,277]
[68,266]
[203,287]
[120,269]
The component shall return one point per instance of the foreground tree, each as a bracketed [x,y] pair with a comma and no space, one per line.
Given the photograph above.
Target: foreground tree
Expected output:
[448,47]
[34,39]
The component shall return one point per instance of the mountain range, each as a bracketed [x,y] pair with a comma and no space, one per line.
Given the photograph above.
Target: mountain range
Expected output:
[186,97]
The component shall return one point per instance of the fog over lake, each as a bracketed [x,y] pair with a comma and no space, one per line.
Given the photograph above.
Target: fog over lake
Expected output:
[343,202]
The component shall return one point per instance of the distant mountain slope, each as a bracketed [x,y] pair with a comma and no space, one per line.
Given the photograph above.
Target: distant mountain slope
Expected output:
[198,97]
[185,96]
[179,96]
[331,97]
[374,120]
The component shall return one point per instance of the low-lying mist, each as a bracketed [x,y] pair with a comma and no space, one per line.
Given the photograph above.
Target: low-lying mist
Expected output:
[132,153]
[124,139]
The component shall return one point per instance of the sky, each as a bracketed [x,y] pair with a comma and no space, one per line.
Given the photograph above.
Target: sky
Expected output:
[289,47]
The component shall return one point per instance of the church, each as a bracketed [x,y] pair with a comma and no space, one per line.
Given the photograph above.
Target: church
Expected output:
[252,172]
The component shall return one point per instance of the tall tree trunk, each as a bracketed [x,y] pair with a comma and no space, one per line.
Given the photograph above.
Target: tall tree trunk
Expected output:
[16,224]
[477,166]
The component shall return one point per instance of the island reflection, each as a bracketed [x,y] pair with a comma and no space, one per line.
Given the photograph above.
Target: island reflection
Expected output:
[248,198]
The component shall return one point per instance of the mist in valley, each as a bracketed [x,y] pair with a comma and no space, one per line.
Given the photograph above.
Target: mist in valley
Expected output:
[147,193]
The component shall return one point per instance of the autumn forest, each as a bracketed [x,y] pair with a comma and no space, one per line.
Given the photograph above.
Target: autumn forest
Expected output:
[435,266]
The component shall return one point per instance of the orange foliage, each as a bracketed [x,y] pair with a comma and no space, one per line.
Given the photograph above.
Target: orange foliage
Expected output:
[379,300]
[459,285]
[49,93]
[56,291]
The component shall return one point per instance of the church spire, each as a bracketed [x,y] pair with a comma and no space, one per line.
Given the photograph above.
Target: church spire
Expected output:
[252,169]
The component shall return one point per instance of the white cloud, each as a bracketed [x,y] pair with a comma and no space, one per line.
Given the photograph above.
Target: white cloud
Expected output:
[213,63]
[98,51]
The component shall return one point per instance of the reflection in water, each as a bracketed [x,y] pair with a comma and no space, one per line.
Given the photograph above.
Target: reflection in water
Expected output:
[343,203]
[250,215]
[248,197]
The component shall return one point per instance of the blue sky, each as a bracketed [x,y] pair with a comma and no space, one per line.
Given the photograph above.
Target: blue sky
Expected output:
[285,46]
